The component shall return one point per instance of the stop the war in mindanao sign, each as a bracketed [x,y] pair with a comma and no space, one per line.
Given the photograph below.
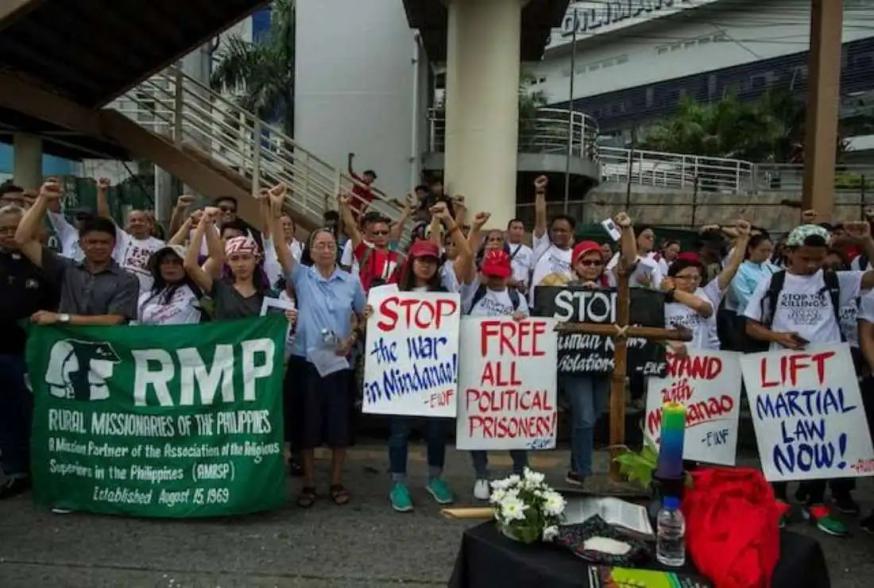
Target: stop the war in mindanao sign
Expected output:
[411,355]
[808,414]
[507,384]
[159,421]
[707,384]
[584,353]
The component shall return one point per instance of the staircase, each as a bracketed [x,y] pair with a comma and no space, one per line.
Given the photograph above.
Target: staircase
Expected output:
[249,153]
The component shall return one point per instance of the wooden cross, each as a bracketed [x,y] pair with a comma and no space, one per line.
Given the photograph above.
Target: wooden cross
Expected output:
[620,332]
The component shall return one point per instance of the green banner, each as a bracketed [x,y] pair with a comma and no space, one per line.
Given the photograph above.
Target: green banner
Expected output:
[159,421]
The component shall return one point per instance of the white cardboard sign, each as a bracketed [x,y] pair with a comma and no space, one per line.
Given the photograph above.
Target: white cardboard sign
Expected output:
[808,414]
[707,383]
[411,356]
[507,384]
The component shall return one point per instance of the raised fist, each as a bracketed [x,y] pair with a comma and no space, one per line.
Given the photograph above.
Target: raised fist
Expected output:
[103,184]
[480,219]
[623,220]
[540,183]
[50,189]
[184,201]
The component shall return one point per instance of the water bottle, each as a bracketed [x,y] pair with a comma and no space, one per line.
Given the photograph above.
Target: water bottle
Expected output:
[670,541]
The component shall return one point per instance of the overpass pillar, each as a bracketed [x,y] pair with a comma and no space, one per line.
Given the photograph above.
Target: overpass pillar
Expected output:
[482,104]
[27,166]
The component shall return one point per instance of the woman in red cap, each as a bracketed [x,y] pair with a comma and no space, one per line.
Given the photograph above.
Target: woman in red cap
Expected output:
[587,393]
[421,273]
[490,294]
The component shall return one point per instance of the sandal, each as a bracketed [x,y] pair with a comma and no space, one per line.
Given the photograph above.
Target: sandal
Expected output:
[339,494]
[307,497]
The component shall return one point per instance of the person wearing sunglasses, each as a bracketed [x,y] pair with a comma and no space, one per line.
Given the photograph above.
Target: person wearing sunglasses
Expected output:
[693,307]
[377,263]
[587,393]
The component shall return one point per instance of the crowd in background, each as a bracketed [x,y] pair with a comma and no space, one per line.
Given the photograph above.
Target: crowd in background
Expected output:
[737,289]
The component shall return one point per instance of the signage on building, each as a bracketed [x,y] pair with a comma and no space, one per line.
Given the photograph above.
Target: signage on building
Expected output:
[594,17]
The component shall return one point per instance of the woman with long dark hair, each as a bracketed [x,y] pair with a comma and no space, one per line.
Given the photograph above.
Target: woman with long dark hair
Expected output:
[174,297]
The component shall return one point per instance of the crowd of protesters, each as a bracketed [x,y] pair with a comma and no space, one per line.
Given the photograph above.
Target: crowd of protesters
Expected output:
[737,289]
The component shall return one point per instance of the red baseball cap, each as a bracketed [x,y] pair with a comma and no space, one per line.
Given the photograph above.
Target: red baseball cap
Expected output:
[496,263]
[423,248]
[689,256]
[585,247]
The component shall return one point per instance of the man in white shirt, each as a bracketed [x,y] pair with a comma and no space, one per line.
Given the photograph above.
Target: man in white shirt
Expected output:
[521,255]
[802,312]
[552,249]
[135,243]
[271,264]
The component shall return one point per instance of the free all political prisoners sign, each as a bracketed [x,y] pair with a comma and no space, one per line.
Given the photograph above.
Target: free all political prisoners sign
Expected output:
[808,414]
[159,421]
[411,356]
[583,353]
[507,384]
[707,384]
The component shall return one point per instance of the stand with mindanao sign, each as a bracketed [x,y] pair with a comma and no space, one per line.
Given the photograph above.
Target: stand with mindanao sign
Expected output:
[507,384]
[707,384]
[411,355]
[159,421]
[808,414]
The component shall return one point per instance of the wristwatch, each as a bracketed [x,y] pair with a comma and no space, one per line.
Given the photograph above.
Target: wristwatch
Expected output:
[63,318]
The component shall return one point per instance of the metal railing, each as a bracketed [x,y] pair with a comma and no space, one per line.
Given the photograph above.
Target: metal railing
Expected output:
[547,132]
[192,115]
[676,170]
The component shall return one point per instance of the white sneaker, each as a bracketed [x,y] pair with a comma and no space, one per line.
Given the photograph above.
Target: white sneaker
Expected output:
[481,490]
[61,511]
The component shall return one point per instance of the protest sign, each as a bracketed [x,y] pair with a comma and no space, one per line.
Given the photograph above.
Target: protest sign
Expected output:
[707,383]
[411,355]
[808,414]
[582,353]
[159,421]
[507,384]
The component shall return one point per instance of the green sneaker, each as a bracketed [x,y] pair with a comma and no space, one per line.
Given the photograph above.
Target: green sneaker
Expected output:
[400,498]
[440,491]
[821,515]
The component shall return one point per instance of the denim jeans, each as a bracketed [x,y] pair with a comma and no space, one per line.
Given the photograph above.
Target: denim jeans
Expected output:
[398,443]
[481,462]
[588,399]
[16,408]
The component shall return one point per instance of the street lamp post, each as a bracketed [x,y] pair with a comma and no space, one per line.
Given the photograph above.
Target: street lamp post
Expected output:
[570,121]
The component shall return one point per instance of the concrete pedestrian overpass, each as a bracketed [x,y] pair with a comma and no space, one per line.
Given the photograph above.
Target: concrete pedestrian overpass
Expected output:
[65,67]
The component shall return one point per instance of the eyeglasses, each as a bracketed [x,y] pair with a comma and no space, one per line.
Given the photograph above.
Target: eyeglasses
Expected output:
[325,247]
[379,233]
[591,263]
[692,277]
[227,209]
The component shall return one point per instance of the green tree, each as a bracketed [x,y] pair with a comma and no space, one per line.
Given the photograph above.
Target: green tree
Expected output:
[765,130]
[261,74]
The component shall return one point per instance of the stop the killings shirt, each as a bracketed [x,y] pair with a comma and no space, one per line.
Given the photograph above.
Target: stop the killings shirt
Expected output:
[804,305]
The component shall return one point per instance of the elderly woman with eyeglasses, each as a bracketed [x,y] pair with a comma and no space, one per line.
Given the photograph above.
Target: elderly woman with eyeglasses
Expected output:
[322,405]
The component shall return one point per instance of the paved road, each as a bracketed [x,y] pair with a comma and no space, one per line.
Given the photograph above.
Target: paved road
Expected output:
[363,544]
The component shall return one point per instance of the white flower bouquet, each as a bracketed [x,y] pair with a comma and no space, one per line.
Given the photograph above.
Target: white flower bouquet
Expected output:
[526,508]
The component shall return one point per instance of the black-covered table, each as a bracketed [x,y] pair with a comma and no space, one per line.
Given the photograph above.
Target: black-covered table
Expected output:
[488,559]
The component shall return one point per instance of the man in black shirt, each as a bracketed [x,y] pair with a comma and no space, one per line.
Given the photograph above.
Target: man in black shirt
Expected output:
[23,291]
